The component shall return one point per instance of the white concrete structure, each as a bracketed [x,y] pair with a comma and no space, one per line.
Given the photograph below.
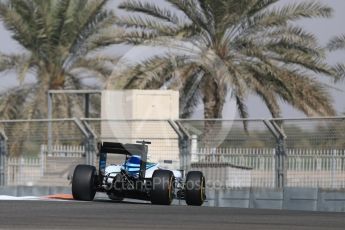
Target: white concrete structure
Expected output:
[140,104]
[123,112]
[224,175]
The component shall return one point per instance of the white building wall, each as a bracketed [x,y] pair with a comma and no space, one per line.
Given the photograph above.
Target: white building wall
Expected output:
[123,112]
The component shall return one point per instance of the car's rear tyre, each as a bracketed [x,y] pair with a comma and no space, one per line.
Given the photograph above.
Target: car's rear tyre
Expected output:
[195,188]
[83,183]
[162,192]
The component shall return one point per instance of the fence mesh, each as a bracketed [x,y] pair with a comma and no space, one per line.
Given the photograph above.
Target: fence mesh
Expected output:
[2,157]
[230,134]
[314,133]
[315,152]
[28,163]
[313,149]
[164,147]
[239,153]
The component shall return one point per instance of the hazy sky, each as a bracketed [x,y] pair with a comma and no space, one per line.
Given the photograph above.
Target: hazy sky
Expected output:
[323,28]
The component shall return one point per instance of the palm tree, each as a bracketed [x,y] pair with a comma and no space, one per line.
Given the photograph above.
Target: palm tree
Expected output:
[229,47]
[59,40]
[338,43]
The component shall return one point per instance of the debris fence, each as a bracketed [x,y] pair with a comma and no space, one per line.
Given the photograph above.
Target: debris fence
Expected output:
[271,153]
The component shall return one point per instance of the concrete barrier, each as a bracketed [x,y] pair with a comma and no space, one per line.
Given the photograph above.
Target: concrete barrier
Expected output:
[300,199]
[305,199]
[266,198]
[212,197]
[33,190]
[331,201]
[238,198]
[311,199]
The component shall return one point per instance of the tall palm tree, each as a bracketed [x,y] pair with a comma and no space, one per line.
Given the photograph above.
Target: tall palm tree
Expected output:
[230,46]
[58,38]
[338,43]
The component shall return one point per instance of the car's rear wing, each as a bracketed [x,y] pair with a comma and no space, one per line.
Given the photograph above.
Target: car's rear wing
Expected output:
[119,148]
[124,149]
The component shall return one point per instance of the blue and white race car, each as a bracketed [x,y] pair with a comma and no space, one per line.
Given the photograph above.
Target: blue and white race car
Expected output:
[136,178]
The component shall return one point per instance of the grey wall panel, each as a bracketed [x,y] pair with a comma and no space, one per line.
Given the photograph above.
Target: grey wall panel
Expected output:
[266,198]
[60,190]
[8,191]
[289,198]
[33,190]
[331,201]
[212,198]
[300,199]
[238,198]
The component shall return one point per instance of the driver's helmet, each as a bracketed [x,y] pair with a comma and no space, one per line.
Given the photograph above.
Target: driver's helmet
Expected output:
[134,160]
[132,165]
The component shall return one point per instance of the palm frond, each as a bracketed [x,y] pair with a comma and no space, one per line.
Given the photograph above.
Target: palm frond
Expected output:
[299,57]
[59,21]
[144,23]
[97,19]
[11,101]
[293,12]
[192,10]
[101,65]
[337,43]
[150,9]
[152,69]
[339,70]
[294,36]
[19,63]
[190,93]
[16,24]
[267,95]
[283,16]
[312,99]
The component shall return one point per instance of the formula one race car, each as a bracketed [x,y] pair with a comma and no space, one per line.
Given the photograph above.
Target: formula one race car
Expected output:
[136,178]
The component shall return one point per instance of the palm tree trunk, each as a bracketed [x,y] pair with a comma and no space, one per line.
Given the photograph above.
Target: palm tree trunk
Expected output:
[214,100]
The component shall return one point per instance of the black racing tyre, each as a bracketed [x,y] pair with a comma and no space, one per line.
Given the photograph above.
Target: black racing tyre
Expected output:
[195,188]
[162,192]
[83,183]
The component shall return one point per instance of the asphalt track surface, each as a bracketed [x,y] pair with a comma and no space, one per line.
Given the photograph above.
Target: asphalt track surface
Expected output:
[111,215]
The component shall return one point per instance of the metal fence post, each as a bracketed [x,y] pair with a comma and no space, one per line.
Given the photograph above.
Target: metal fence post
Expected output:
[90,144]
[185,148]
[185,153]
[334,168]
[184,144]
[86,140]
[280,157]
[43,154]
[90,150]
[3,154]
[194,149]
[50,117]
[281,163]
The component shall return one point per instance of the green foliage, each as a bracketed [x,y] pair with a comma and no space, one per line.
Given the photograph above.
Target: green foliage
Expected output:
[239,47]
[59,40]
[338,43]
[57,36]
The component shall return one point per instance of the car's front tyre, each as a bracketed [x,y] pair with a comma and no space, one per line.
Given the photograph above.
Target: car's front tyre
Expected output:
[195,188]
[83,183]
